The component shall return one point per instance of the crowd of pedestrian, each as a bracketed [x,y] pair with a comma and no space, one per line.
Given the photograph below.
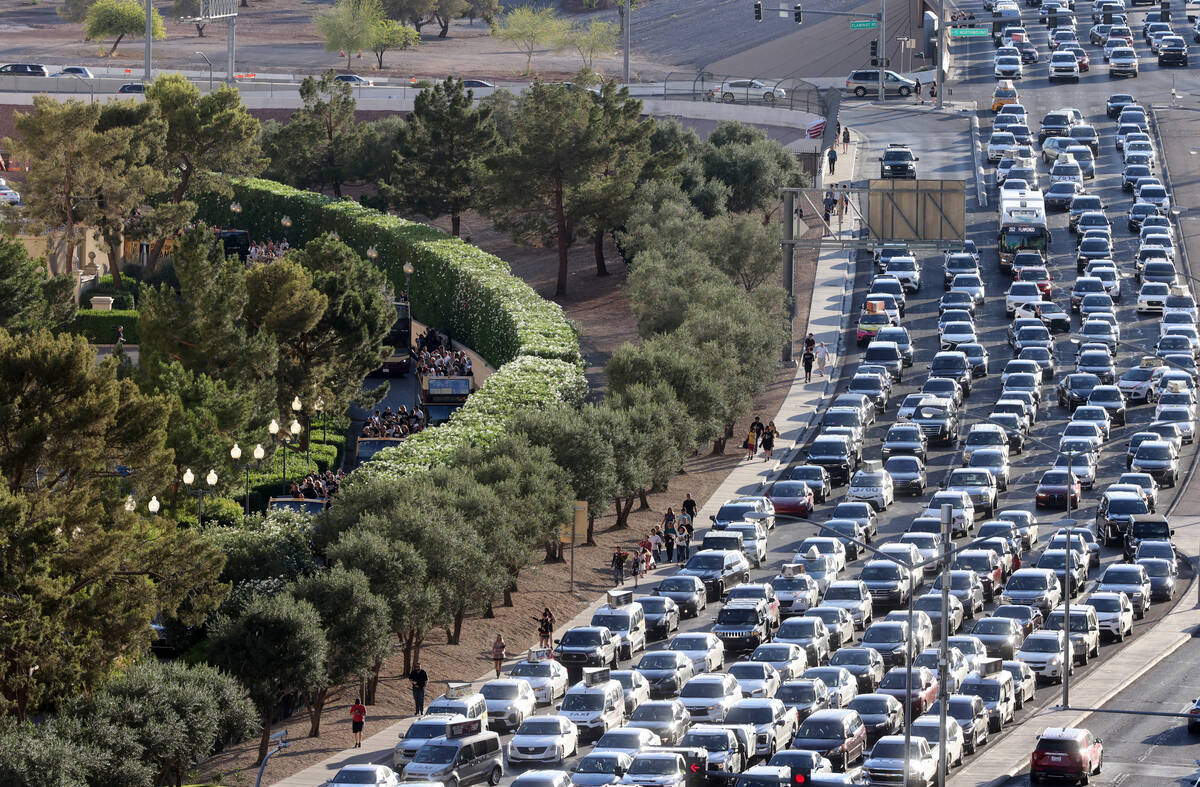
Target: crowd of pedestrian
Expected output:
[317,486]
[814,352]
[761,436]
[267,251]
[400,422]
[670,540]
[435,357]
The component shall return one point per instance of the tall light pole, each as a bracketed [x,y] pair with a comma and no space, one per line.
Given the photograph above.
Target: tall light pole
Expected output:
[941,52]
[149,38]
[628,24]
[947,513]
[882,67]
[210,71]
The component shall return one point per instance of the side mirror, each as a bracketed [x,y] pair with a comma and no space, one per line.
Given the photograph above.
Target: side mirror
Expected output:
[558,707]
[712,517]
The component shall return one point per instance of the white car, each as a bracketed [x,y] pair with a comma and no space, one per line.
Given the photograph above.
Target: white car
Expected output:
[963,516]
[544,739]
[8,194]
[627,740]
[509,702]
[709,697]
[547,678]
[636,688]
[1181,416]
[929,726]
[756,679]
[1142,147]
[1122,61]
[1064,65]
[953,334]
[1007,67]
[826,546]
[788,660]
[368,775]
[854,597]
[874,487]
[1066,171]
[1020,292]
[1114,611]
[1001,144]
[706,650]
[1153,297]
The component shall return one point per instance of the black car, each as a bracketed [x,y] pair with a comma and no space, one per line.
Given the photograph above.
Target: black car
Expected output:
[898,161]
[952,365]
[1116,102]
[1011,423]
[1084,203]
[1074,389]
[1173,52]
[957,299]
[1138,213]
[1132,173]
[1093,249]
[1054,124]
[25,69]
[719,571]
[905,438]
[816,477]
[956,264]
[881,713]
[132,87]
[1060,195]
[833,452]
[1098,363]
[1029,53]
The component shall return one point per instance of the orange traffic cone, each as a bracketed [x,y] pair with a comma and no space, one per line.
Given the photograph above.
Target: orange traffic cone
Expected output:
[341,52]
[360,54]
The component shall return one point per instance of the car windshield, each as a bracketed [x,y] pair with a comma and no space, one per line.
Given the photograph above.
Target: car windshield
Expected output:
[676,585]
[992,626]
[771,653]
[1026,582]
[652,712]
[539,727]
[576,638]
[961,478]
[1122,575]
[850,657]
[492,691]
[685,642]
[880,633]
[737,616]
[988,691]
[743,714]
[819,728]
[731,512]
[598,763]
[654,604]
[660,660]
[702,688]
[880,572]
[424,731]
[613,622]
[1157,452]
[1042,645]
[705,562]
[437,753]
[843,593]
[798,628]
[790,583]
[654,765]
[869,705]
[711,741]
[797,692]
[789,489]
[1157,568]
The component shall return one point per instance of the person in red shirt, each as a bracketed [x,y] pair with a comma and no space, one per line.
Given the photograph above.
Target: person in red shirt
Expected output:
[358,715]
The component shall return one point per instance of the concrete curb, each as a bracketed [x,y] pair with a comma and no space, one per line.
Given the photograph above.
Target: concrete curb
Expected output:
[980,179]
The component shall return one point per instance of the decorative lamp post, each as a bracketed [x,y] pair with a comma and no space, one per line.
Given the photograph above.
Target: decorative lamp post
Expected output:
[130,504]
[189,478]
[321,410]
[295,429]
[235,208]
[372,253]
[286,223]
[273,428]
[153,505]
[408,272]
[235,453]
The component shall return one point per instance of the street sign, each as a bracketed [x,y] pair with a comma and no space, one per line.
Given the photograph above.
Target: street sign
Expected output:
[967,32]
[864,24]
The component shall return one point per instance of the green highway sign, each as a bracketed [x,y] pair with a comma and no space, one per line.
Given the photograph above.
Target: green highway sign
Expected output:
[865,24]
[967,32]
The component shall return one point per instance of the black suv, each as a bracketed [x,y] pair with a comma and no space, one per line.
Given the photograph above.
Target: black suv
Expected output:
[954,366]
[25,69]
[1173,52]
[1116,102]
[1054,124]
[905,438]
[834,453]
[898,161]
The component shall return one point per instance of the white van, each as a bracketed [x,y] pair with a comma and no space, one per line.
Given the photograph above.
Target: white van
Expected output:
[754,540]
[625,619]
[596,704]
[460,699]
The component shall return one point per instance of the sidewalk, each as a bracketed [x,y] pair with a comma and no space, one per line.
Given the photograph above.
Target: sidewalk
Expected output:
[827,314]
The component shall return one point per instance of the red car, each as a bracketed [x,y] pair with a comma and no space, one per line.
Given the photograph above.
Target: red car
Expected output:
[924,687]
[1054,487]
[1039,275]
[1071,753]
[1081,57]
[794,498]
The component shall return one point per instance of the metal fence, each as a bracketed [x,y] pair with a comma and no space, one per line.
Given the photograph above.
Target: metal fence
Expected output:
[755,90]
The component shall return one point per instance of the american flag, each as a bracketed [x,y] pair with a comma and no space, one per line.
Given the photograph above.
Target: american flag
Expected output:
[815,130]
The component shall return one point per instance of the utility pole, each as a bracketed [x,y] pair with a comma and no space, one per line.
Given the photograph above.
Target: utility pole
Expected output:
[789,271]
[628,24]
[944,648]
[883,50]
[908,662]
[941,52]
[149,38]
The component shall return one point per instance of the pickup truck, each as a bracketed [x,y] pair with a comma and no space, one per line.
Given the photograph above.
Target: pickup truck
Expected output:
[887,762]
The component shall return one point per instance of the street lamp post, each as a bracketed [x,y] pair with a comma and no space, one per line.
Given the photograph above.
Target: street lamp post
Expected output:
[297,407]
[286,223]
[408,272]
[210,72]
[944,648]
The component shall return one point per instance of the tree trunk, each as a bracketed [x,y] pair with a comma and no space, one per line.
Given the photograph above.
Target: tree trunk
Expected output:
[620,15]
[200,30]
[623,509]
[719,445]
[560,216]
[408,640]
[598,248]
[115,44]
[489,612]
[455,222]
[316,704]
[373,682]
[444,23]
[379,57]
[645,506]
[245,4]
[457,635]
[591,530]
[265,741]
[552,551]
[116,259]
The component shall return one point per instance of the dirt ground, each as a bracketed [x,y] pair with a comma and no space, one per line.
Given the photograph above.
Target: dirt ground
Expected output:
[277,36]
[602,311]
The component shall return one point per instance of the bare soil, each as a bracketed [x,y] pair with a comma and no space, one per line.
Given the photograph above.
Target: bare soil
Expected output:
[600,307]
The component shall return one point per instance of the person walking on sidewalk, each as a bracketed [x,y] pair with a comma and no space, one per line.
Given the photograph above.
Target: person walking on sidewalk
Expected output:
[917,90]
[669,541]
[807,359]
[821,353]
[933,90]
[617,564]
[358,717]
[656,543]
[498,653]
[689,506]
[832,160]
[751,444]
[418,678]
[845,139]
[684,540]
[768,440]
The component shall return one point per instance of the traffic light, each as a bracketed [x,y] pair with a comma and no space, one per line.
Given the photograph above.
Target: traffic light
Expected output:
[798,13]
[799,779]
[874,47]
[758,12]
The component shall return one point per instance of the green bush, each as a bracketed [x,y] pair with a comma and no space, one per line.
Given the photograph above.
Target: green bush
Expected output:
[458,288]
[101,327]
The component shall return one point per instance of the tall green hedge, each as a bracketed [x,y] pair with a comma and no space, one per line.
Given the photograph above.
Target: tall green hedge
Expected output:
[455,287]
[460,289]
[101,327]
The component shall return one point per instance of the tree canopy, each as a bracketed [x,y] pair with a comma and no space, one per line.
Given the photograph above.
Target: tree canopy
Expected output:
[120,18]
